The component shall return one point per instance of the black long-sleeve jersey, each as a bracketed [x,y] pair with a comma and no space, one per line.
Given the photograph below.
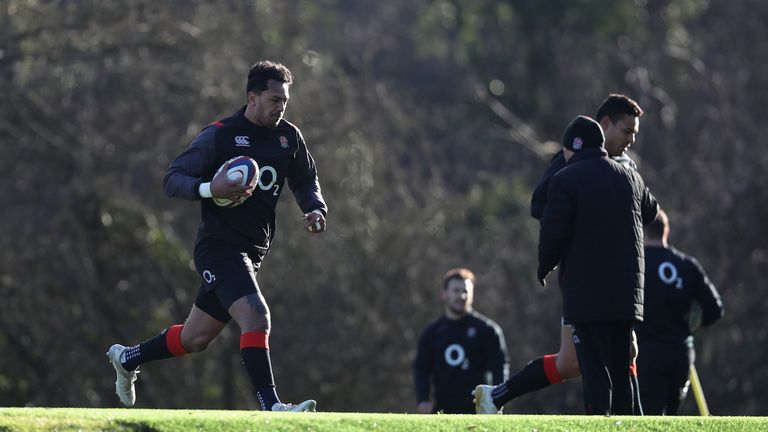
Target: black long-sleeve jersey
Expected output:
[673,281]
[280,153]
[455,356]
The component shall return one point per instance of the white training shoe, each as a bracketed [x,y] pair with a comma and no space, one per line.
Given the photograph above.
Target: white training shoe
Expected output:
[124,383]
[306,406]
[484,400]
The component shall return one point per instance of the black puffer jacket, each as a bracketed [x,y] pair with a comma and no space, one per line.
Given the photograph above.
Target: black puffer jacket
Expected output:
[539,197]
[593,229]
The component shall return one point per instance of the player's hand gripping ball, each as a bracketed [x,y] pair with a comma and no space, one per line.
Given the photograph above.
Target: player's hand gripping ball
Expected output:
[240,168]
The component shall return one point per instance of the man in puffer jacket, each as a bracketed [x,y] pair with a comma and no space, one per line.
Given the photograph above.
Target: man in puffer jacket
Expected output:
[592,229]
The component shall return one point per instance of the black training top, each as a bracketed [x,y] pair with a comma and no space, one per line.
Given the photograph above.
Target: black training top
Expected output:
[280,153]
[673,282]
[457,355]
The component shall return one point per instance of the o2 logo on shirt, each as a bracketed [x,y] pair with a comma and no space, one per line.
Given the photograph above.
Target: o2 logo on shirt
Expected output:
[273,179]
[455,356]
[668,275]
[209,276]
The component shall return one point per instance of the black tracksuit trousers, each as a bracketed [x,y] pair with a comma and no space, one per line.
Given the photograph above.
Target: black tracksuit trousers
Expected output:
[603,350]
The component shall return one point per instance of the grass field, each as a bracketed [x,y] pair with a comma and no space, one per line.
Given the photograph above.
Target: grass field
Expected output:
[145,420]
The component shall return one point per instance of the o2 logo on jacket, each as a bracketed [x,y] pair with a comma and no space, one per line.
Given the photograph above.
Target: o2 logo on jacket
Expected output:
[668,275]
[455,356]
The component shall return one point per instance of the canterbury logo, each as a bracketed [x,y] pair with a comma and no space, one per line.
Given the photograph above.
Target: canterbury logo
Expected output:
[242,141]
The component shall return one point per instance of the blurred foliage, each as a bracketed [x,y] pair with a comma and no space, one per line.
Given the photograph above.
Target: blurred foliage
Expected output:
[430,123]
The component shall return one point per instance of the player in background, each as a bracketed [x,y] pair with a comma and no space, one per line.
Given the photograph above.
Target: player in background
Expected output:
[231,242]
[619,118]
[458,351]
[676,288]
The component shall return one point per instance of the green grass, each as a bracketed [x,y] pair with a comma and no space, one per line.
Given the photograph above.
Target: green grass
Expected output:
[146,420]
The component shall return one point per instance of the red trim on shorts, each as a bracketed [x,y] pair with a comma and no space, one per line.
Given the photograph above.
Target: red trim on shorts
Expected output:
[550,369]
[633,369]
[257,339]
[173,340]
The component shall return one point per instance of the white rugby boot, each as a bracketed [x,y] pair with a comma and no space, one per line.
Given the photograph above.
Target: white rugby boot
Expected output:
[124,384]
[306,406]
[484,400]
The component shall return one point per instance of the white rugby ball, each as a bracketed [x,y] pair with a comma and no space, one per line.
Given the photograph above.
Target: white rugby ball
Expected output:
[243,168]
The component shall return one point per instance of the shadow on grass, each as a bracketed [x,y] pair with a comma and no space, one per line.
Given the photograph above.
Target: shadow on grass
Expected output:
[132,427]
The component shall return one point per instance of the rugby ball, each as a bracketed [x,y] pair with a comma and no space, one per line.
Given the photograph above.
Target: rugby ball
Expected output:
[243,168]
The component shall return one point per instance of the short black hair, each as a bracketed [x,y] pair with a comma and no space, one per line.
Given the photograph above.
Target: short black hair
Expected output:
[617,105]
[265,70]
[458,274]
[659,228]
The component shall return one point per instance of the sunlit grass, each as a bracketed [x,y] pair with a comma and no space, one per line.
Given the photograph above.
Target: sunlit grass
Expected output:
[82,419]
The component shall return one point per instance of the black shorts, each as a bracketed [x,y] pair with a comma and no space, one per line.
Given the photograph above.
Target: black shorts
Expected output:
[228,274]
